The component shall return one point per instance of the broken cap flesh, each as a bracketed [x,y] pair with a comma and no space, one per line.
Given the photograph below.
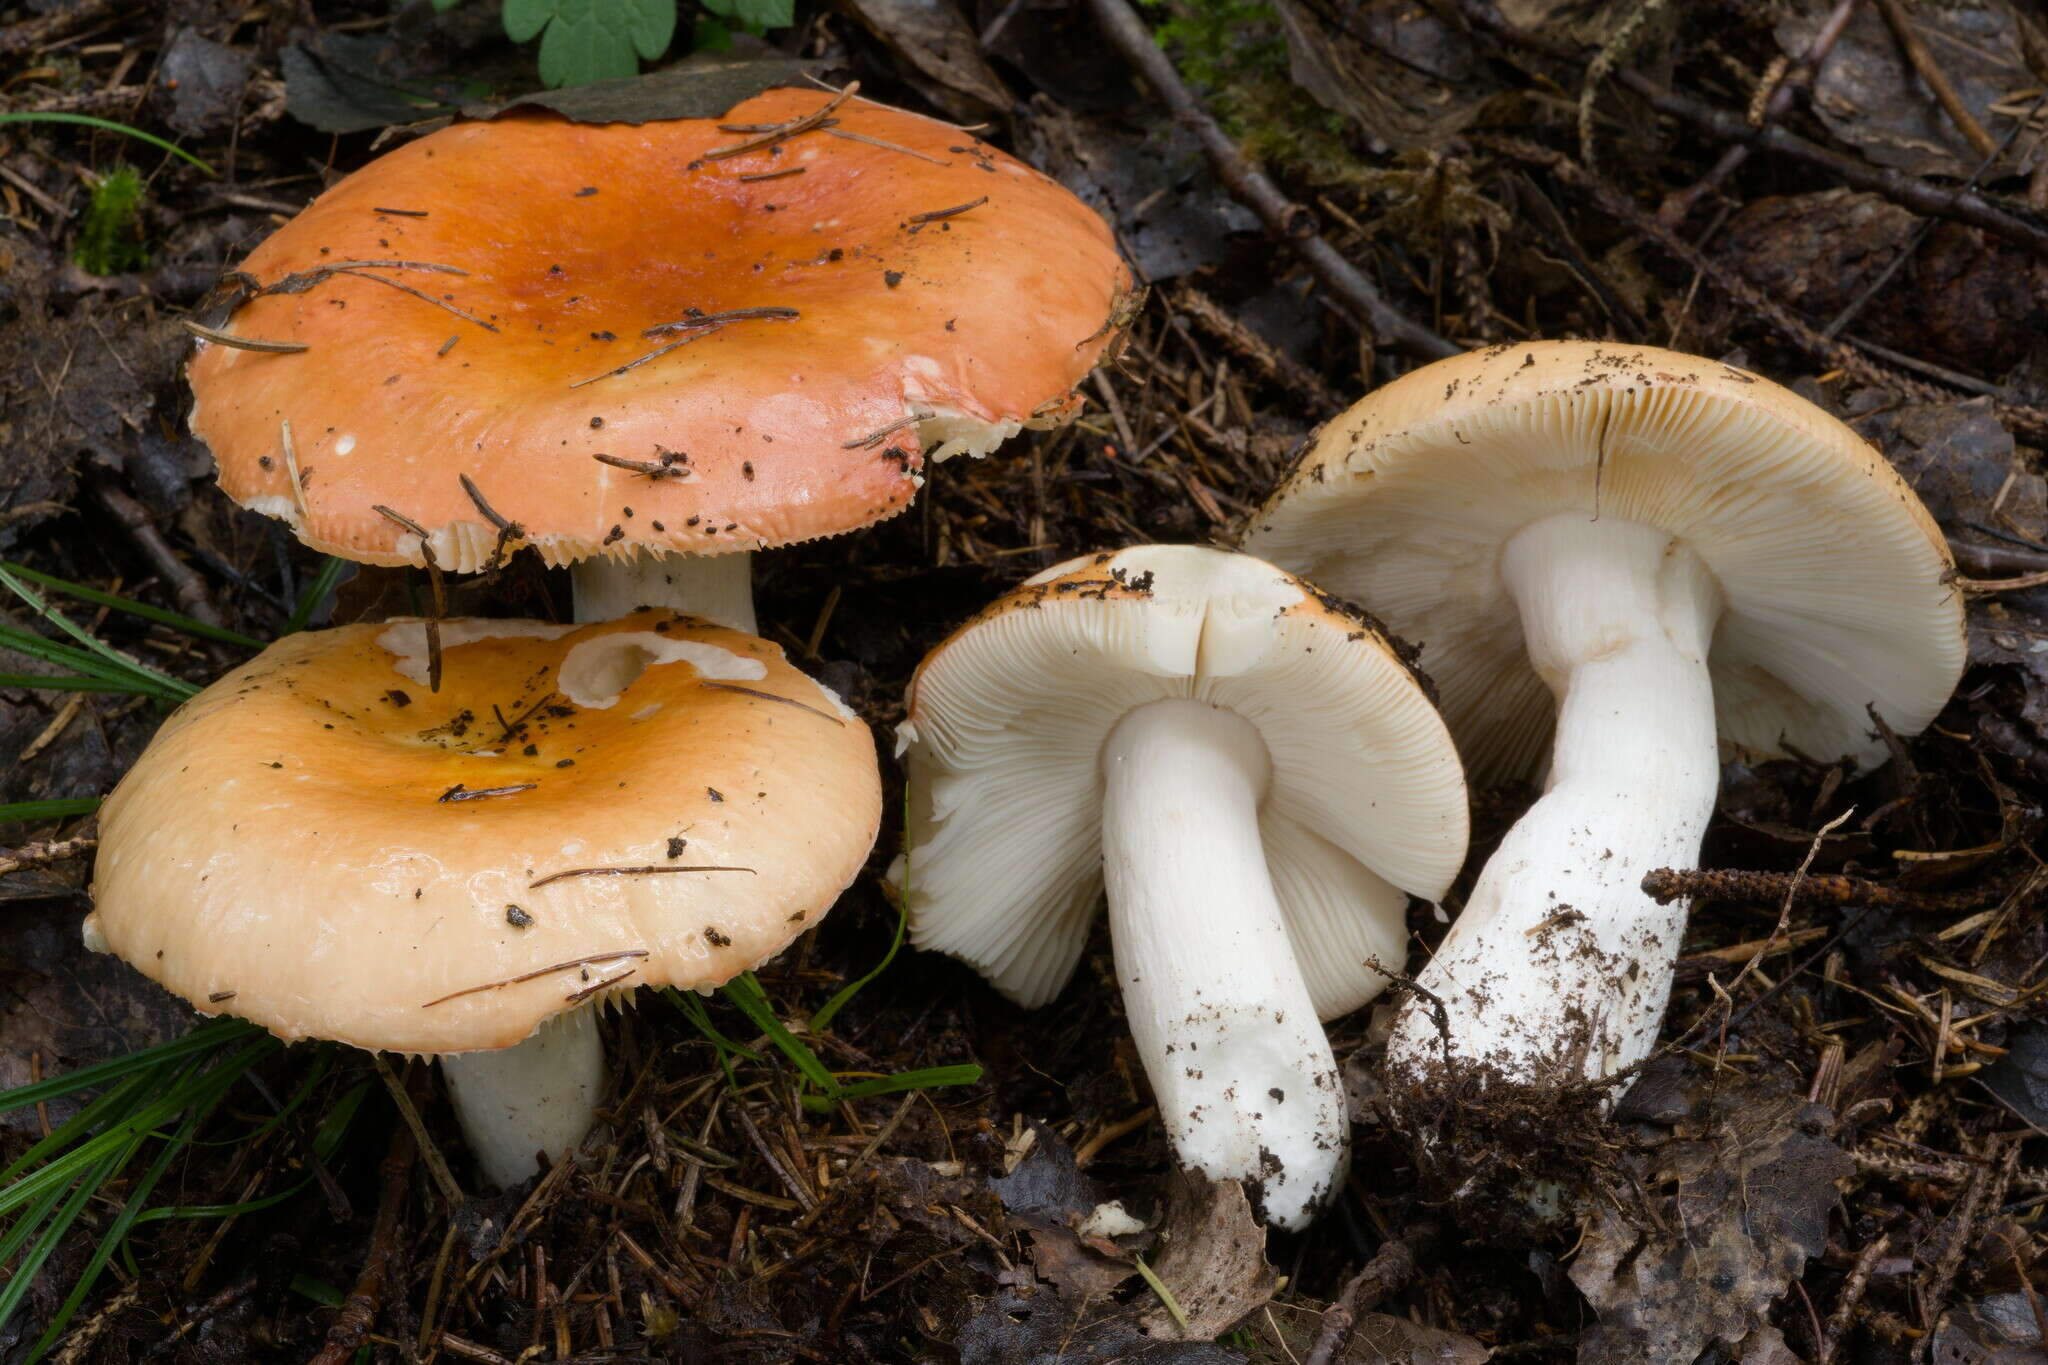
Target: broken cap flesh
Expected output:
[320,845]
[1617,557]
[829,313]
[1254,776]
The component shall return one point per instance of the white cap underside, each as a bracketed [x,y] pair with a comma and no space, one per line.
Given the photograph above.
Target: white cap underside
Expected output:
[1007,723]
[1837,596]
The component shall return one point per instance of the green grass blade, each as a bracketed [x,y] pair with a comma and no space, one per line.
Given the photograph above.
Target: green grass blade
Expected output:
[822,1020]
[61,809]
[40,682]
[89,1183]
[928,1078]
[84,661]
[173,686]
[193,1084]
[117,1102]
[319,1291]
[131,1209]
[109,126]
[746,993]
[162,616]
[25,1228]
[316,592]
[693,1008]
[213,1034]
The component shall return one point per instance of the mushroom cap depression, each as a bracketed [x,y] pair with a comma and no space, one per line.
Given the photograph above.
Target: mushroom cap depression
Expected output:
[569,244]
[1835,578]
[1007,719]
[313,842]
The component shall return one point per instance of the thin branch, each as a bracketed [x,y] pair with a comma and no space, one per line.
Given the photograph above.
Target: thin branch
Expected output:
[536,974]
[1937,80]
[1963,206]
[1290,222]
[644,871]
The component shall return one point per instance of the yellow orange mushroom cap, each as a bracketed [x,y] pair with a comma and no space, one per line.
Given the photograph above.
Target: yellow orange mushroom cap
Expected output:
[322,845]
[470,304]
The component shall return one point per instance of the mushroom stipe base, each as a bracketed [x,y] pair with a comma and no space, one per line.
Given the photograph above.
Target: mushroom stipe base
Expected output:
[1245,1081]
[1559,965]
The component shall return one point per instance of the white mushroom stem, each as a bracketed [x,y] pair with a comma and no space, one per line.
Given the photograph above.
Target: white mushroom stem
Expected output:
[1559,967]
[538,1096]
[1246,1083]
[717,587]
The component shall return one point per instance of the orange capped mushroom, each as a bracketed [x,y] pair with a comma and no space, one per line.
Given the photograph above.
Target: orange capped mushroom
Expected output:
[692,337]
[320,845]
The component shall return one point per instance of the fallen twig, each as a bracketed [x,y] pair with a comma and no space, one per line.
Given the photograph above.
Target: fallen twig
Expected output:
[1964,206]
[359,1311]
[1390,1268]
[1937,80]
[1290,222]
[2025,420]
[1679,203]
[1667,884]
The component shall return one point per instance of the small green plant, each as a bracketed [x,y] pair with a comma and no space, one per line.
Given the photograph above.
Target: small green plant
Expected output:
[1237,52]
[110,241]
[1218,42]
[596,40]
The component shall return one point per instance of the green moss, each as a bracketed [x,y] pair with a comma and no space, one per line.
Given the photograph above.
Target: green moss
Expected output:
[111,239]
[1236,52]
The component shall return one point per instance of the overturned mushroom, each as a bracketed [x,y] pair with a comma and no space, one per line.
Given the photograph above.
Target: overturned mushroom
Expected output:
[1640,553]
[1255,776]
[826,311]
[317,844]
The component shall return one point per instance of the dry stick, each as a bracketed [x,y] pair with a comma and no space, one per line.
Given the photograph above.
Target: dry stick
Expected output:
[665,468]
[186,586]
[44,852]
[508,530]
[1678,204]
[1852,1295]
[2027,421]
[437,1165]
[770,696]
[1911,245]
[1289,221]
[780,132]
[1943,1276]
[432,625]
[1937,79]
[536,974]
[359,1311]
[852,136]
[1667,884]
[623,872]
[1389,1269]
[240,343]
[1964,206]
[416,293]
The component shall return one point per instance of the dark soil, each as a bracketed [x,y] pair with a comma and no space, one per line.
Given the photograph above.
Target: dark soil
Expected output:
[1848,1132]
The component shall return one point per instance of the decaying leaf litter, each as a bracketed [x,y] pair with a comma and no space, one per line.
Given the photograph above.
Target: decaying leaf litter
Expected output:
[1839,1142]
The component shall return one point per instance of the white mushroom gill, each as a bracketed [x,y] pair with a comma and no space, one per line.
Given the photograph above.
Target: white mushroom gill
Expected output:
[1559,967]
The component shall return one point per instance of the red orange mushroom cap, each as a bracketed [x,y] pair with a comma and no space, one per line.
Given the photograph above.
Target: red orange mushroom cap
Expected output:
[634,337]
